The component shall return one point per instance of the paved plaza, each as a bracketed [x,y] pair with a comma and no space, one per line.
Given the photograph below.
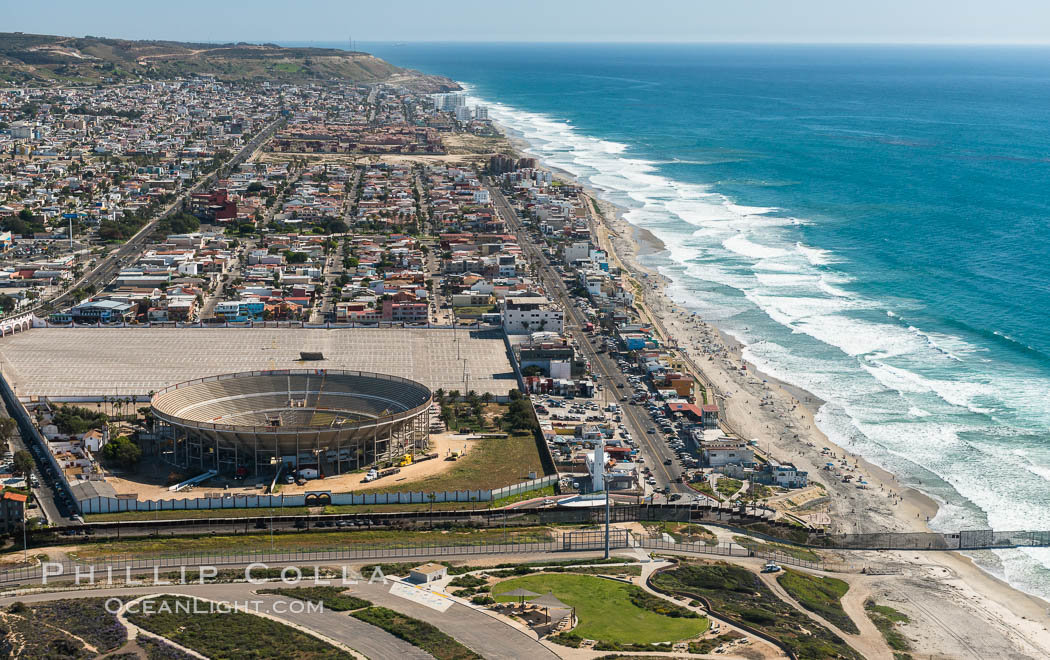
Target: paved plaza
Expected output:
[70,363]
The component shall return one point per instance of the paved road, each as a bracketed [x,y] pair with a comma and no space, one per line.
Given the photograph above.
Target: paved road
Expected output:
[42,495]
[653,447]
[363,637]
[484,634]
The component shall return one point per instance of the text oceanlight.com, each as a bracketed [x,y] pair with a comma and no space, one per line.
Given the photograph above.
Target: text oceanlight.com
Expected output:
[197,606]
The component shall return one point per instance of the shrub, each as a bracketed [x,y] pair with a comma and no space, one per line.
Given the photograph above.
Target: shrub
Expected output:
[648,601]
[467,581]
[418,633]
[821,595]
[332,598]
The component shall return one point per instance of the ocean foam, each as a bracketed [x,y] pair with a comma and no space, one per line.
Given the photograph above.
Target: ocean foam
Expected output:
[741,245]
[908,397]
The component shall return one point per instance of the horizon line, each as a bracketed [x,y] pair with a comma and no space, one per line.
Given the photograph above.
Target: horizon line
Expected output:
[661,43]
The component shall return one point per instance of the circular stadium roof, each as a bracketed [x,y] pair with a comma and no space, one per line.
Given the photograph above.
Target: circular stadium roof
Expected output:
[291,402]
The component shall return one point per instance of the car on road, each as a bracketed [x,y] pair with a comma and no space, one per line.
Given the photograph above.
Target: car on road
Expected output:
[668,461]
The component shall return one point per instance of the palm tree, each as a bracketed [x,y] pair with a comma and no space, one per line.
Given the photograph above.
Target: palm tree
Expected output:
[431,497]
[446,416]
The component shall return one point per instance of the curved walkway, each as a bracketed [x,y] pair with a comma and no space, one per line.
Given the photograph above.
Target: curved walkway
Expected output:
[485,635]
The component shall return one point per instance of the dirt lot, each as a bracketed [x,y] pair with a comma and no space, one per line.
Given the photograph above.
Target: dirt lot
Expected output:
[440,443]
[151,481]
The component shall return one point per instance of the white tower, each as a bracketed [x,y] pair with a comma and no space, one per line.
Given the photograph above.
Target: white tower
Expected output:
[598,467]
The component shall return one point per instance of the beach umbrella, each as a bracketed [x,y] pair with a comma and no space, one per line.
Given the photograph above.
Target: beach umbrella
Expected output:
[521,594]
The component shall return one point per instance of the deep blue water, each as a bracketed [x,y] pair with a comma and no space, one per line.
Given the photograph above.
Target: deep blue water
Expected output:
[873,222]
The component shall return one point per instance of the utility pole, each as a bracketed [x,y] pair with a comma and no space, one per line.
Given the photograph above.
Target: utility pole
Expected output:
[605,483]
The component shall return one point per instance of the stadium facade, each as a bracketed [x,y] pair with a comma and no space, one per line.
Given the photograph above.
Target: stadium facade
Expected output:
[331,420]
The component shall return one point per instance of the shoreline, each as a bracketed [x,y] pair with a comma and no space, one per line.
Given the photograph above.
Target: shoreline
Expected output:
[953,579]
[627,243]
[788,428]
[937,581]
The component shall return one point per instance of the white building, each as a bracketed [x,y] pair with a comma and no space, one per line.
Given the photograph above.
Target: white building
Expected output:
[577,251]
[727,452]
[463,113]
[449,102]
[481,113]
[21,130]
[427,573]
[525,314]
[787,475]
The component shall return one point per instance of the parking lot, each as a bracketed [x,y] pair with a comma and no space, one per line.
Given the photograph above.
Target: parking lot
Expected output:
[64,363]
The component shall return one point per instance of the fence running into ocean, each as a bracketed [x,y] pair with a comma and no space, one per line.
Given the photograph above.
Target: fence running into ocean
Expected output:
[971,539]
[116,568]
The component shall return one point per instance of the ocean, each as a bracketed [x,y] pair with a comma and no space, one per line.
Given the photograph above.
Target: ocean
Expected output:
[872,222]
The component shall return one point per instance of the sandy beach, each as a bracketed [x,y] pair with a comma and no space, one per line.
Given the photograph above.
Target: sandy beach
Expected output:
[956,608]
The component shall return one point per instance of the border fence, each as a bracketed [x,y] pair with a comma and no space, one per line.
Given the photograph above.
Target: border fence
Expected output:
[726,549]
[118,568]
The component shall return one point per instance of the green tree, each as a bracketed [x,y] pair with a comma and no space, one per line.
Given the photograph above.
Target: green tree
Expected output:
[7,427]
[23,462]
[122,451]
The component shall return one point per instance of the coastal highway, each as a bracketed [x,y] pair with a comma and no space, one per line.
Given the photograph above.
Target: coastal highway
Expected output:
[653,446]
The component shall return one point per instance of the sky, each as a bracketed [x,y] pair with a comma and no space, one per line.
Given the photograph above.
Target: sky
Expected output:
[780,21]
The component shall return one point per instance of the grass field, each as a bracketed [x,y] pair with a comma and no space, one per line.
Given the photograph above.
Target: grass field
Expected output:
[738,593]
[605,609]
[490,464]
[291,541]
[727,487]
[474,311]
[233,635]
[822,595]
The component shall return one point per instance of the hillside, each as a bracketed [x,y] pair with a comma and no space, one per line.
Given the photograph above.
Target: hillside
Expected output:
[36,58]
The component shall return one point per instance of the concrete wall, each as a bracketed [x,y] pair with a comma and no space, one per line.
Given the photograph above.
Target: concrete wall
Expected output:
[116,505]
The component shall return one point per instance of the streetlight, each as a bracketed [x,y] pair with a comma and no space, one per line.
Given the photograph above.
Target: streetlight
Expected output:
[605,486]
